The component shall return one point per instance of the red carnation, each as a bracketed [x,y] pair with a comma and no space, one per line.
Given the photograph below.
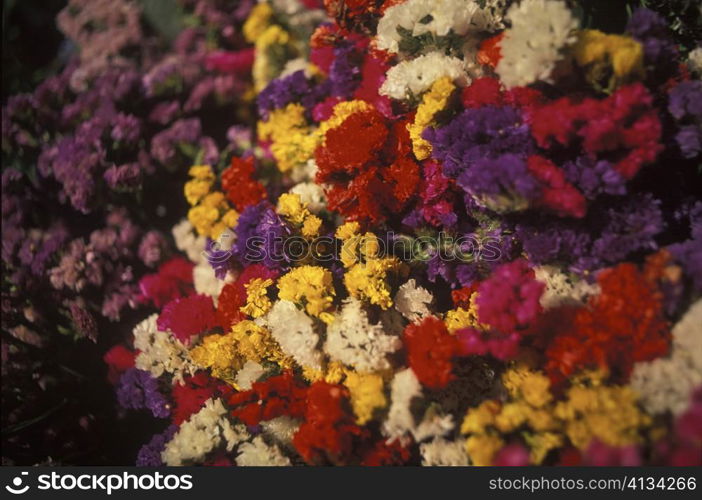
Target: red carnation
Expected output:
[274,397]
[173,280]
[239,184]
[188,316]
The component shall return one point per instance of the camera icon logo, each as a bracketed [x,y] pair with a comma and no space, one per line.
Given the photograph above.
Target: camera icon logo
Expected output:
[17,483]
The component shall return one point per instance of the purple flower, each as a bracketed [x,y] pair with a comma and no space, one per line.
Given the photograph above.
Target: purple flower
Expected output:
[138,389]
[593,177]
[479,133]
[150,454]
[152,248]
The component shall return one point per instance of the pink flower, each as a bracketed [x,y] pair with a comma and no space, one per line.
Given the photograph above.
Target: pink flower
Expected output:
[230,62]
[186,317]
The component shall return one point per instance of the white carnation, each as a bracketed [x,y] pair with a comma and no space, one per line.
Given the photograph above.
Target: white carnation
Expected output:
[412,301]
[541,31]
[438,17]
[202,433]
[160,352]
[259,454]
[281,429]
[304,172]
[440,452]
[411,78]
[352,340]
[294,331]
[665,384]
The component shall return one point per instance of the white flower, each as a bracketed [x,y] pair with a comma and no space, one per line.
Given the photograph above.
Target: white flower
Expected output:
[187,242]
[294,331]
[665,384]
[412,301]
[438,17]
[352,340]
[404,389]
[206,282]
[694,61]
[561,289]
[440,452]
[202,433]
[312,194]
[259,454]
[160,352]
[304,172]
[411,78]
[541,31]
[249,373]
[281,429]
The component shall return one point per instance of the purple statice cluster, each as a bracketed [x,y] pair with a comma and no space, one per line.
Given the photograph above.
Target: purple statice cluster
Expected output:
[685,106]
[261,234]
[138,390]
[150,454]
[92,155]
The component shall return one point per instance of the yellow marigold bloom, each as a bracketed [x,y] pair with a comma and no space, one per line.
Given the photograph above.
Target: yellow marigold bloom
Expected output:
[201,172]
[608,413]
[255,343]
[479,418]
[230,218]
[482,449]
[311,226]
[202,218]
[541,444]
[533,387]
[432,102]
[292,139]
[619,59]
[368,281]
[219,354]
[257,301]
[259,19]
[310,287]
[213,215]
[366,394]
[512,416]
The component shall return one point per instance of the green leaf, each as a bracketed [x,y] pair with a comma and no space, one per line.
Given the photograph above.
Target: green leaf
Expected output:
[164,16]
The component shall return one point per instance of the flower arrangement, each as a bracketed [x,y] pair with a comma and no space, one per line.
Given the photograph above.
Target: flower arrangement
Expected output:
[456,232]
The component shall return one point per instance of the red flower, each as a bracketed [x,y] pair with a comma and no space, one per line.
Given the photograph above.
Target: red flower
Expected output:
[118,359]
[489,52]
[274,397]
[230,62]
[557,194]
[240,186]
[622,325]
[329,431]
[369,166]
[233,295]
[173,280]
[386,454]
[190,395]
[430,350]
[188,316]
[623,128]
[482,92]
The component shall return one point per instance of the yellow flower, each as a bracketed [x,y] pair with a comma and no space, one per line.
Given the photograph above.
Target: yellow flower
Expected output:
[257,22]
[273,49]
[255,343]
[213,215]
[608,413]
[460,317]
[219,354]
[310,287]
[609,60]
[292,139]
[482,449]
[291,207]
[369,280]
[341,112]
[432,102]
[479,418]
[311,226]
[366,394]
[333,373]
[257,301]
[541,444]
[201,183]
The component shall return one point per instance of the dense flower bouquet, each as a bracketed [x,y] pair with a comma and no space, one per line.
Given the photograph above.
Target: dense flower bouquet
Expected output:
[460,232]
